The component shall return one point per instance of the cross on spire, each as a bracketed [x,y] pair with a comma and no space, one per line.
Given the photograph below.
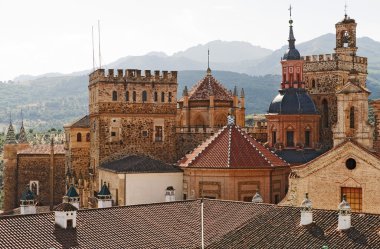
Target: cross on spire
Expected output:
[290,11]
[345,9]
[208,58]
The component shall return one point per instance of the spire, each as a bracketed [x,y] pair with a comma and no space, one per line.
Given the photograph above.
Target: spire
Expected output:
[22,139]
[235,91]
[242,95]
[291,39]
[208,63]
[11,137]
[185,92]
[345,11]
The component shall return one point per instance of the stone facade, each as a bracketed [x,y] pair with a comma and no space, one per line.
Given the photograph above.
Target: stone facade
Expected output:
[324,178]
[325,74]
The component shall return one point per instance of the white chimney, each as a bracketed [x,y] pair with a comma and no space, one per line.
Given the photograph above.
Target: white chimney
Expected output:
[27,204]
[306,211]
[257,198]
[65,214]
[344,219]
[170,194]
[104,197]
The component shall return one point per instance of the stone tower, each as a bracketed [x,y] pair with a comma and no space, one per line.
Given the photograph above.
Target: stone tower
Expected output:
[325,74]
[131,113]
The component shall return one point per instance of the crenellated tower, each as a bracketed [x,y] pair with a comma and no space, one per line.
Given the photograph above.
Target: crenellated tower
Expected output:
[131,113]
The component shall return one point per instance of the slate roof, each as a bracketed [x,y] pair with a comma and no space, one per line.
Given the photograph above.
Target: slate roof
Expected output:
[72,192]
[296,157]
[231,147]
[227,224]
[83,122]
[104,191]
[139,164]
[292,101]
[43,149]
[209,86]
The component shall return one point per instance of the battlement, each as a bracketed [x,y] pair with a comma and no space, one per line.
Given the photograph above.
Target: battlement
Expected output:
[334,57]
[133,75]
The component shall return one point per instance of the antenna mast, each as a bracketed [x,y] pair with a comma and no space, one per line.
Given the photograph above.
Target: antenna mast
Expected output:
[93,49]
[100,57]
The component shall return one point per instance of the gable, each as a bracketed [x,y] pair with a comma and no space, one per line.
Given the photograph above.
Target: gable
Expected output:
[352,88]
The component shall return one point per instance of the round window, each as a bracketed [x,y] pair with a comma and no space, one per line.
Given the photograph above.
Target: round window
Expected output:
[351,164]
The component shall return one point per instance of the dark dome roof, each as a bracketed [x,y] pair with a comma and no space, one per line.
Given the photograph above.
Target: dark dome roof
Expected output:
[292,101]
[292,54]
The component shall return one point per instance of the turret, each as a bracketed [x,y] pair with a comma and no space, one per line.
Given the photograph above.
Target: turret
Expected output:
[72,196]
[242,99]
[104,197]
[27,203]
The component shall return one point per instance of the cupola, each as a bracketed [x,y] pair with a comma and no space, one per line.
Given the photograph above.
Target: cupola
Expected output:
[27,202]
[306,211]
[104,197]
[344,219]
[170,194]
[73,196]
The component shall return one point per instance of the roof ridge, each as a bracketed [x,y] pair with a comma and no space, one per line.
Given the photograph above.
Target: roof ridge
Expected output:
[229,147]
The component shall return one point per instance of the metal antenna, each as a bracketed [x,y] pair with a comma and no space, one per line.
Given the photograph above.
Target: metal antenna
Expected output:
[345,9]
[100,57]
[93,49]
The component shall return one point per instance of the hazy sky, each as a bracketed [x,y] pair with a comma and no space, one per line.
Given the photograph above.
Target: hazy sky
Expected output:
[39,36]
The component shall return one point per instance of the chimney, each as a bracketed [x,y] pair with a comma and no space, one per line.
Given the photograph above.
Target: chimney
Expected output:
[344,219]
[104,197]
[65,214]
[306,211]
[257,198]
[170,194]
[27,204]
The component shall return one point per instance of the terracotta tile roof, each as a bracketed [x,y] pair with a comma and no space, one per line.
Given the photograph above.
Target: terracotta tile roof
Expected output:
[231,147]
[43,149]
[139,164]
[65,207]
[209,86]
[227,224]
[83,122]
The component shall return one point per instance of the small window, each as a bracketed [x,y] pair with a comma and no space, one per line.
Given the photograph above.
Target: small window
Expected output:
[353,197]
[313,83]
[248,198]
[88,137]
[155,97]
[114,96]
[127,96]
[134,96]
[274,138]
[307,138]
[290,138]
[144,96]
[184,197]
[158,134]
[170,97]
[79,137]
[144,133]
[113,134]
[34,187]
[352,117]
[69,223]
[162,97]
[276,199]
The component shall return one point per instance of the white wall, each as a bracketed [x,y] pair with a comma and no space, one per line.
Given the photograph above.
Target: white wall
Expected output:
[150,187]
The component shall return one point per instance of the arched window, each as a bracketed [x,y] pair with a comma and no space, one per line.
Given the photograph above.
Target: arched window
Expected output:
[325,117]
[345,39]
[170,97]
[127,96]
[162,97]
[134,96]
[155,97]
[79,137]
[144,96]
[313,83]
[88,137]
[114,96]
[352,117]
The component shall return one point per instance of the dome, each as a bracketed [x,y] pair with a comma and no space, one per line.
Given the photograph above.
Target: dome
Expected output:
[292,101]
[292,54]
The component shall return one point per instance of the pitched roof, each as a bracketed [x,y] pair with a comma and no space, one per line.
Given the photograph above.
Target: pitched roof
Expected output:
[10,137]
[43,149]
[66,207]
[231,147]
[104,191]
[295,157]
[139,164]
[83,122]
[72,192]
[227,224]
[209,86]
